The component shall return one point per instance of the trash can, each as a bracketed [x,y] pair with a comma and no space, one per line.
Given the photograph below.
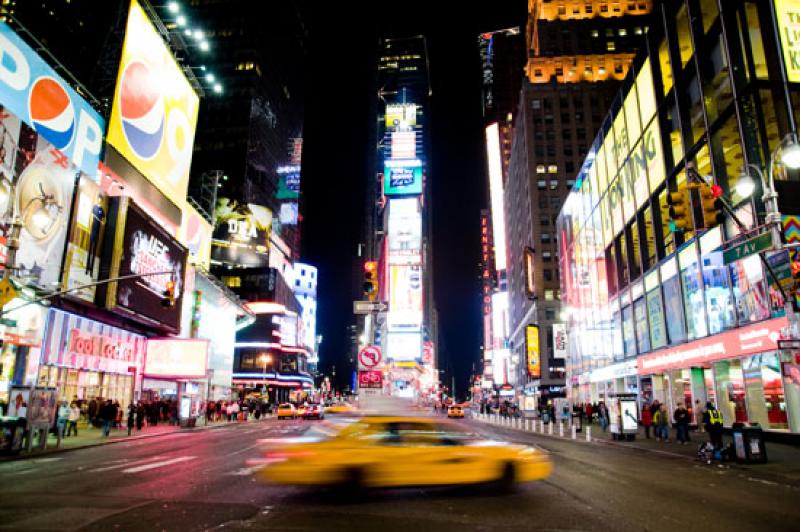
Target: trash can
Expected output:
[748,442]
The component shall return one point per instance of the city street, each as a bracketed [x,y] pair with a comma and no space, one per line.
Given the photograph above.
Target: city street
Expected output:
[202,481]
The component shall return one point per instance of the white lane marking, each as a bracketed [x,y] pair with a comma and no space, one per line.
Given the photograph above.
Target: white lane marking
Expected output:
[245,471]
[158,464]
[125,462]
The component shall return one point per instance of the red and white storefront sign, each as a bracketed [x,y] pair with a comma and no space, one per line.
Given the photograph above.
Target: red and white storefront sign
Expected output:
[77,342]
[747,340]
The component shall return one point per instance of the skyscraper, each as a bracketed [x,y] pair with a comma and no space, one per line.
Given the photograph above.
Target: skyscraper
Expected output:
[399,220]
[578,54]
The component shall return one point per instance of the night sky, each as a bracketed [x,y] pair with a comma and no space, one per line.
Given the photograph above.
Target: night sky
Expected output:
[339,152]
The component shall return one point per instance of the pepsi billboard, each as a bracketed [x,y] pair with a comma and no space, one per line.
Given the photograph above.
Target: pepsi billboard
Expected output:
[154,114]
[34,92]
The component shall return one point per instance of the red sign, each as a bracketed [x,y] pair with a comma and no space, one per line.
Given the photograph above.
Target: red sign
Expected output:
[369,357]
[370,379]
[427,352]
[84,343]
[755,338]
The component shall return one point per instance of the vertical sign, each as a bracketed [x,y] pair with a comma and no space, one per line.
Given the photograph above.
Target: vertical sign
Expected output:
[486,278]
[787,16]
[532,350]
[559,340]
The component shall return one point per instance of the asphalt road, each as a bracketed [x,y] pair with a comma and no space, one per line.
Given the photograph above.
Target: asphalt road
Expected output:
[201,481]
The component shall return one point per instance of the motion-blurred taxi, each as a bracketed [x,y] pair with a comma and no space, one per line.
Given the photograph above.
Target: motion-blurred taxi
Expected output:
[340,408]
[286,410]
[455,411]
[378,452]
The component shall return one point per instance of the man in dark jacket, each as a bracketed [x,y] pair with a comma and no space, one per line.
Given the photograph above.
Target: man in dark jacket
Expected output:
[108,414]
[681,418]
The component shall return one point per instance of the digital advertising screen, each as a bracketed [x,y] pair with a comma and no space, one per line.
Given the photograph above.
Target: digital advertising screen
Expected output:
[154,113]
[403,346]
[176,357]
[533,352]
[143,250]
[242,233]
[85,244]
[405,296]
[402,178]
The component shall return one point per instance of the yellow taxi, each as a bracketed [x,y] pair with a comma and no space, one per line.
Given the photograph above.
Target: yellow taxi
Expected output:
[455,411]
[379,452]
[340,408]
[286,410]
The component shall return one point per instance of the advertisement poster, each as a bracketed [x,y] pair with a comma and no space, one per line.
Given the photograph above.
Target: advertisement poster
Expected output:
[674,309]
[154,113]
[242,233]
[19,398]
[532,350]
[42,406]
[559,340]
[34,92]
[788,22]
[405,230]
[401,116]
[640,321]
[196,232]
[403,346]
[405,296]
[628,338]
[173,357]
[82,262]
[44,199]
[142,247]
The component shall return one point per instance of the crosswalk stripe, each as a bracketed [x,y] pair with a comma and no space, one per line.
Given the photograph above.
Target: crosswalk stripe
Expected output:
[119,464]
[158,464]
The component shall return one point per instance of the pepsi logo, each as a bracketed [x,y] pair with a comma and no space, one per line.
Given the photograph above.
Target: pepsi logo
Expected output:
[193,233]
[141,109]
[51,112]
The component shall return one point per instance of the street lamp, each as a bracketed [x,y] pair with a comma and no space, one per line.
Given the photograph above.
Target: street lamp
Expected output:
[787,153]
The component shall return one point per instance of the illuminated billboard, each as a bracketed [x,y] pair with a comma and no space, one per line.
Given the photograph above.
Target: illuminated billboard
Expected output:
[176,358]
[242,234]
[532,351]
[142,250]
[196,232]
[405,231]
[496,195]
[34,92]
[402,177]
[403,346]
[405,297]
[401,116]
[404,145]
[82,261]
[154,113]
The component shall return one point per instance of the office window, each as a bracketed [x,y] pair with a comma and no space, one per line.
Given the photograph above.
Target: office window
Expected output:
[610,46]
[545,238]
[684,36]
[547,274]
[547,256]
[540,168]
[549,295]
[541,184]
[665,67]
[549,314]
[544,220]
[553,184]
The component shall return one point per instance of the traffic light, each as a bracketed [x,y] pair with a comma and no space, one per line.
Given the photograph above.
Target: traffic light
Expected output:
[711,199]
[371,280]
[168,295]
[680,209]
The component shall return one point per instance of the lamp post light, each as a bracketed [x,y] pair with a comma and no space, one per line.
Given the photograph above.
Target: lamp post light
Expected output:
[265,359]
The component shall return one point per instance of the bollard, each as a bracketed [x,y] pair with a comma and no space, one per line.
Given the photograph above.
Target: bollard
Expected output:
[588,433]
[516,423]
[574,432]
[550,429]
[561,429]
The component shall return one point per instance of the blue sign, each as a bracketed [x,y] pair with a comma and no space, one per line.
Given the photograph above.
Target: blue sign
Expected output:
[32,90]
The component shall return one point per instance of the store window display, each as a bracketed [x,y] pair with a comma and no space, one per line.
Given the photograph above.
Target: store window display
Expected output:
[730,391]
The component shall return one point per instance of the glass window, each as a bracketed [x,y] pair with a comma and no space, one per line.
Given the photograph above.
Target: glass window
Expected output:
[636,253]
[719,300]
[655,312]
[666,68]
[709,11]
[667,236]
[622,253]
[673,301]
[648,236]
[766,403]
[616,336]
[611,262]
[726,144]
[696,119]
[716,81]
[684,35]
[640,319]
[628,335]
[730,391]
[753,26]
[675,137]
[749,290]
[693,300]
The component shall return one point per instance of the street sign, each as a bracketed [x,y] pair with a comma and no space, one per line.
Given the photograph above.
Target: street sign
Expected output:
[753,245]
[368,307]
[7,292]
[369,357]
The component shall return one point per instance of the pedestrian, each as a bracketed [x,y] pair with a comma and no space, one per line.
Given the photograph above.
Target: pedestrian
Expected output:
[140,415]
[72,420]
[647,421]
[713,423]
[118,419]
[61,419]
[681,419]
[661,422]
[229,411]
[106,415]
[589,413]
[602,415]
[93,410]
[131,417]
[697,414]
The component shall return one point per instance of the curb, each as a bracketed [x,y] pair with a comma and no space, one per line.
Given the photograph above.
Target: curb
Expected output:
[743,468]
[56,450]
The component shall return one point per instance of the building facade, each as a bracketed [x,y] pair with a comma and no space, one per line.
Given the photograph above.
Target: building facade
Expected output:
[578,53]
[683,315]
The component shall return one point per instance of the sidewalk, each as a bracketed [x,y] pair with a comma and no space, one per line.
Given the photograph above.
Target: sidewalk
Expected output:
[783,463]
[92,437]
